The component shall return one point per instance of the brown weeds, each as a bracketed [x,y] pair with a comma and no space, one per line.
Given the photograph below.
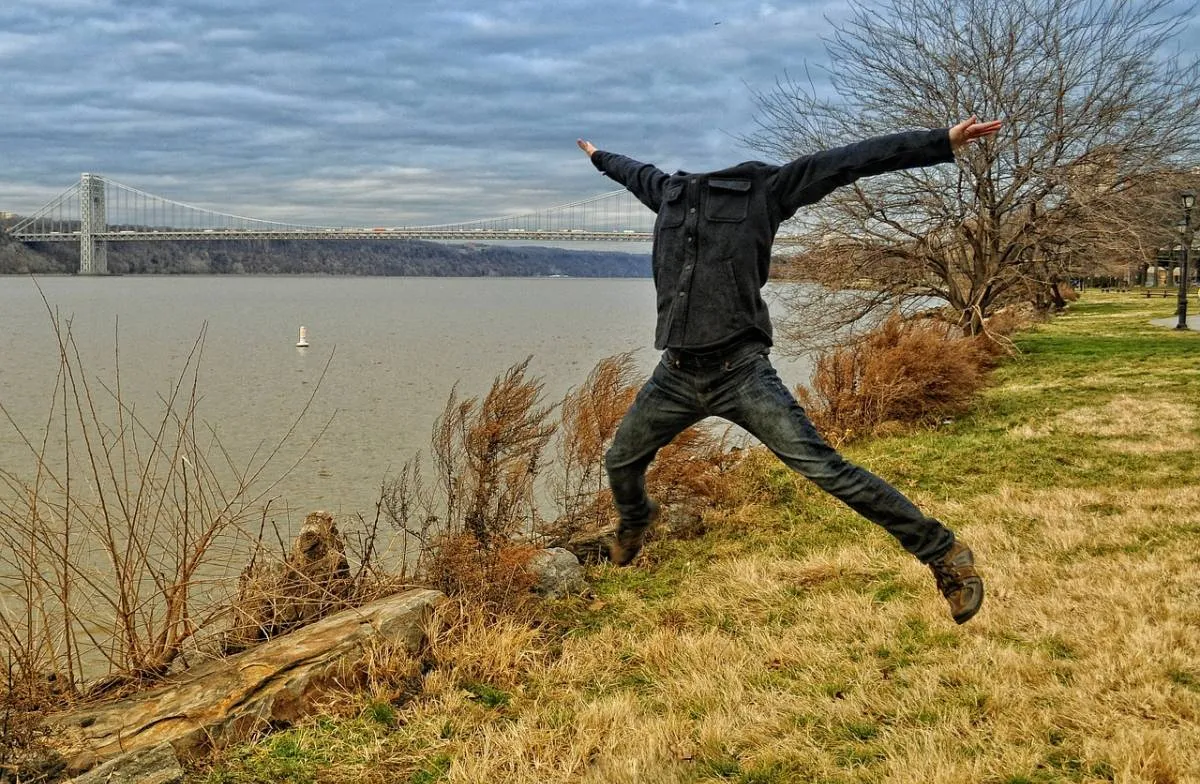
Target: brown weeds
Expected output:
[487,455]
[913,371]
[494,578]
[589,417]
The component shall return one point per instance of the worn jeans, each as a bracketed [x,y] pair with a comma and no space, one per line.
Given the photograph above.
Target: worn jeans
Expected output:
[742,386]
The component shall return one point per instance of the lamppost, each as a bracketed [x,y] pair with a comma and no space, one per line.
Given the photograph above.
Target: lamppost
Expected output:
[1188,198]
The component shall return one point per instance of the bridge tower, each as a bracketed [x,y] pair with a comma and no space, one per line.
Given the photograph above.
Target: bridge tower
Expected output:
[93,220]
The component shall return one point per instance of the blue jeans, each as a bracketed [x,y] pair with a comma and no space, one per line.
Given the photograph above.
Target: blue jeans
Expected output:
[741,385]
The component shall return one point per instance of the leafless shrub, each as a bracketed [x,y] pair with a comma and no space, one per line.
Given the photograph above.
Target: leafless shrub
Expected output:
[119,551]
[488,474]
[487,456]
[905,371]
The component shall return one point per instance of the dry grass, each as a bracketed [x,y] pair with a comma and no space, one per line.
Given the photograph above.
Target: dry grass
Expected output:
[796,643]
[762,668]
[769,669]
[1135,425]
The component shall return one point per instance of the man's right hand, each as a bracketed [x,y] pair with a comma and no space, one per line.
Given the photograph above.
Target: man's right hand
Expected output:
[586,146]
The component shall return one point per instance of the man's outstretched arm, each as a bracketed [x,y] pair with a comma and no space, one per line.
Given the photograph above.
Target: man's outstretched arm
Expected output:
[809,178]
[644,180]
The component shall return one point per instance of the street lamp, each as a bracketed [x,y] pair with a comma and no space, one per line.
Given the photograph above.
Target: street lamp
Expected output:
[1188,198]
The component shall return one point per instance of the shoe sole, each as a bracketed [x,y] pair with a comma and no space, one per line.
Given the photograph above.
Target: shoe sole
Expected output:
[975,585]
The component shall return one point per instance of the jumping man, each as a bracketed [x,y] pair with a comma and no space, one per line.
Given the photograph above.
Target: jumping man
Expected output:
[712,254]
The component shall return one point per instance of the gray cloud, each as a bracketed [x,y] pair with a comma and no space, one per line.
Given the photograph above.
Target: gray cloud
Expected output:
[371,112]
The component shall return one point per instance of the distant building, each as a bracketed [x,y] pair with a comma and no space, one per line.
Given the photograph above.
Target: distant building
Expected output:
[7,215]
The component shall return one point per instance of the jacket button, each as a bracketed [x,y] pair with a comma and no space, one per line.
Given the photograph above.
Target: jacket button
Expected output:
[683,293]
[693,209]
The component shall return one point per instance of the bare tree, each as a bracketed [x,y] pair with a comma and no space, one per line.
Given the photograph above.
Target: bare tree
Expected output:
[1096,108]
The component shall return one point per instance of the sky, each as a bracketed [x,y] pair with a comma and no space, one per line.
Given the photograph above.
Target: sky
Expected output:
[365,112]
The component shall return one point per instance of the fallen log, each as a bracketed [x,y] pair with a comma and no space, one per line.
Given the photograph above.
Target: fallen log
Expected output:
[224,701]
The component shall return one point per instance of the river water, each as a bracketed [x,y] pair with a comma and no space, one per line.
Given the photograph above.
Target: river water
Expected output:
[394,347]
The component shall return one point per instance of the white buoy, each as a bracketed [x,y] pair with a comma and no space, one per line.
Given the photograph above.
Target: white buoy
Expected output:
[303,341]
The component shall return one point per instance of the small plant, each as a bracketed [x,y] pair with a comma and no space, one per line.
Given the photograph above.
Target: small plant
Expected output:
[434,770]
[381,713]
[487,695]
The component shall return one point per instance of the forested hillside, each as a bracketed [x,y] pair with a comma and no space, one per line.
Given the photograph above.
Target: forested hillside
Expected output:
[325,257]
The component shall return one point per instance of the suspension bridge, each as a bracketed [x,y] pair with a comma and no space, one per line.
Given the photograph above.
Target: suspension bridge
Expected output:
[96,211]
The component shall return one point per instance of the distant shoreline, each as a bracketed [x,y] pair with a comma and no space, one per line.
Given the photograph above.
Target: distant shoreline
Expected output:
[331,258]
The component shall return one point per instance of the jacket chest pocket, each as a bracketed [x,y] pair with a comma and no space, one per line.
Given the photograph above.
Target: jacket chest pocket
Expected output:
[673,209]
[727,200]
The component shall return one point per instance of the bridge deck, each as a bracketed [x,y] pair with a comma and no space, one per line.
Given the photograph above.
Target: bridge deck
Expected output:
[573,235]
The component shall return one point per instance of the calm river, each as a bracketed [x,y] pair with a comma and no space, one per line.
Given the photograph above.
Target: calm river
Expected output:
[395,348]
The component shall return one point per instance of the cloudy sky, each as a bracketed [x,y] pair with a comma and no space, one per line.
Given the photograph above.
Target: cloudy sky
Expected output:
[365,112]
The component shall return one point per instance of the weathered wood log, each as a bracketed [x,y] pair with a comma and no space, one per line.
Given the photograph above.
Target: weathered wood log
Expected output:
[226,700]
[275,598]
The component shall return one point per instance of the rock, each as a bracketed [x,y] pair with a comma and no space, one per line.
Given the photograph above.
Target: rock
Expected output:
[226,700]
[681,521]
[558,571]
[155,765]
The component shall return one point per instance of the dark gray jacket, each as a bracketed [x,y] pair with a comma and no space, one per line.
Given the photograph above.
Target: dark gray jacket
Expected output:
[712,239]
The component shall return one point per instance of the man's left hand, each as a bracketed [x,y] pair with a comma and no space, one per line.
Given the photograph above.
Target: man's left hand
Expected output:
[971,129]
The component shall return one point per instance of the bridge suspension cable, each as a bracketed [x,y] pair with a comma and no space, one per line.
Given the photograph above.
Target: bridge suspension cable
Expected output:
[97,210]
[130,209]
[614,211]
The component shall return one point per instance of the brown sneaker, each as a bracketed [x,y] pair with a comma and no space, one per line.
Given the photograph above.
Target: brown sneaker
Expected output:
[628,541]
[959,582]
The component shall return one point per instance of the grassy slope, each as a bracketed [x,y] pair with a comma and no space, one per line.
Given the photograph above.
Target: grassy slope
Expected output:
[796,642]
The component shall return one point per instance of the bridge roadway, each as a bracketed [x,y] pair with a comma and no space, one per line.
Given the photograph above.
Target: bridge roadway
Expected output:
[459,235]
[455,235]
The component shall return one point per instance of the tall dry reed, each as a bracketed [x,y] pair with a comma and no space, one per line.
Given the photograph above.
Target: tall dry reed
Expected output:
[122,545]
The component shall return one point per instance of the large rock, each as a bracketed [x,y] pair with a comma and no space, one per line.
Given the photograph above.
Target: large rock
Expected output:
[558,571]
[157,765]
[226,700]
